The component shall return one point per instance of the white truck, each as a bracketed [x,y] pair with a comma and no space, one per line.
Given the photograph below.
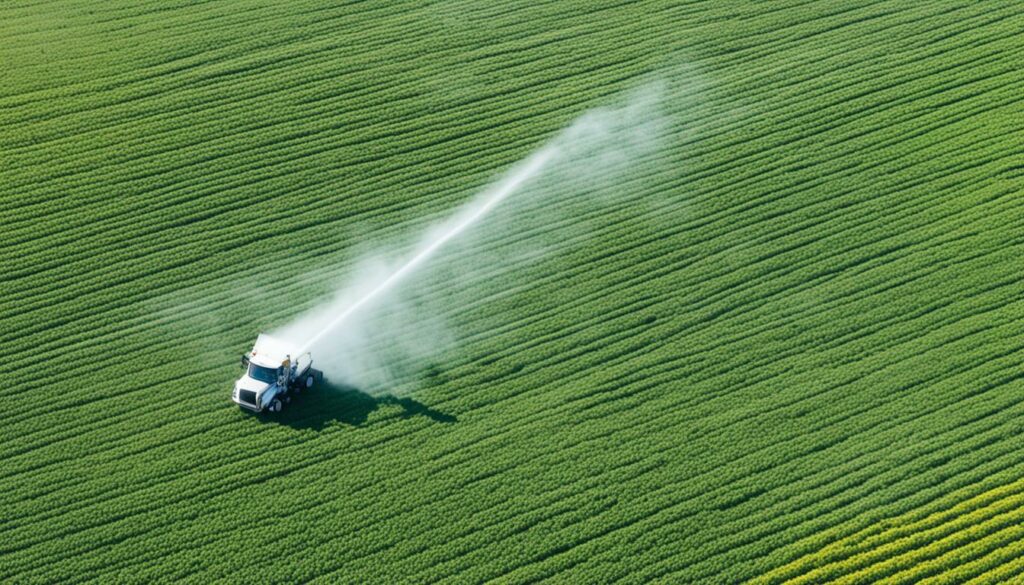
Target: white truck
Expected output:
[272,375]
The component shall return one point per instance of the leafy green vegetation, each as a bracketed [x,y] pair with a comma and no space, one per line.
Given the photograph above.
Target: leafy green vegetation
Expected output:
[789,348]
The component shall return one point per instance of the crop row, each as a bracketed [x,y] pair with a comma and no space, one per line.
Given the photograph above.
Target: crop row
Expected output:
[513,349]
[752,350]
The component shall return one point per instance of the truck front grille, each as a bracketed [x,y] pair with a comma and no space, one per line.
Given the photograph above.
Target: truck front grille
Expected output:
[247,396]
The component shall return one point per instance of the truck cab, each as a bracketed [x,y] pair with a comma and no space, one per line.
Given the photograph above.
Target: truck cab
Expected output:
[272,375]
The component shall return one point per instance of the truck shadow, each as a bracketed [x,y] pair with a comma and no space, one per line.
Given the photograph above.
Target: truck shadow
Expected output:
[338,403]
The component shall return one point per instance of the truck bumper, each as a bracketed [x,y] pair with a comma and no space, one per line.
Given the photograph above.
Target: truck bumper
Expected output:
[247,406]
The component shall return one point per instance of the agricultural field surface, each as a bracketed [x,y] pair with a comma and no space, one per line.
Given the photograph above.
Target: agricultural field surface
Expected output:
[784,343]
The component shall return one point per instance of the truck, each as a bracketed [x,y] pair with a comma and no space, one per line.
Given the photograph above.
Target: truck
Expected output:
[273,374]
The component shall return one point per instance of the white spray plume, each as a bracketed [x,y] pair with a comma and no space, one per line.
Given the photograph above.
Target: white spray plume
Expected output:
[462,220]
[378,328]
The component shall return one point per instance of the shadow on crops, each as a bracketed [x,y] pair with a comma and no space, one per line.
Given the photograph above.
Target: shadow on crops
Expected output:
[338,403]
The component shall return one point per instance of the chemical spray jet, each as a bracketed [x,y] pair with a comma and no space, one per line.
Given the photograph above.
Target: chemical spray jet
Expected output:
[271,377]
[459,224]
[598,141]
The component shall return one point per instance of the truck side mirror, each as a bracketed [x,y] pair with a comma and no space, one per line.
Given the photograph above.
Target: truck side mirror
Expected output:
[245,361]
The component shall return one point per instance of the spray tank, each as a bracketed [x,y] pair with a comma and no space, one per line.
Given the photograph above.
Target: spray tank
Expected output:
[274,372]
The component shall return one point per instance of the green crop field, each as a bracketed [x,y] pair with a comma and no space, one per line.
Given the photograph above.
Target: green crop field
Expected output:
[789,346]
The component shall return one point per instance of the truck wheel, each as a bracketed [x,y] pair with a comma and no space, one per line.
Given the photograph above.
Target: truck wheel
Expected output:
[276,406]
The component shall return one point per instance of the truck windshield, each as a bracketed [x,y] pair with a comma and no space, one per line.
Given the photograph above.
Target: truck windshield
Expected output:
[263,374]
